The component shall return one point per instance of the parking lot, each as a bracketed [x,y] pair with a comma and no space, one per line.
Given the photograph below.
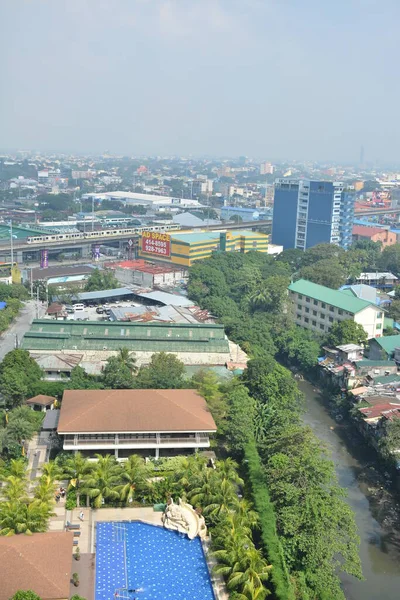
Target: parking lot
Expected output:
[90,312]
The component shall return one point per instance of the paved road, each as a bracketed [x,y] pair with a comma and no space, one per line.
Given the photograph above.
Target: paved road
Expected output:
[19,327]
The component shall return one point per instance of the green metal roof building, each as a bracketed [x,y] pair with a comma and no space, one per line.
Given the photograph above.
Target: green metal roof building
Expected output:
[384,347]
[341,300]
[46,335]
[317,307]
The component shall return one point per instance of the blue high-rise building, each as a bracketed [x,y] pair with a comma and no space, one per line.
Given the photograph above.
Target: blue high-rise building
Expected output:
[307,213]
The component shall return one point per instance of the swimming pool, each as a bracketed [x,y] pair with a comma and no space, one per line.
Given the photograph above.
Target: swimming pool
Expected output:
[161,563]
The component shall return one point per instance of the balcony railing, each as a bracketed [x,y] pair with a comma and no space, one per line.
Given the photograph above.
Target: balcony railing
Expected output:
[136,441]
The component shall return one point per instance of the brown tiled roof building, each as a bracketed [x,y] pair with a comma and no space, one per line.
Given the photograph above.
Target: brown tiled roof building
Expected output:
[41,562]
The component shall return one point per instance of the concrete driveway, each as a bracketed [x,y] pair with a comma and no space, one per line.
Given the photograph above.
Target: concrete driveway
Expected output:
[20,326]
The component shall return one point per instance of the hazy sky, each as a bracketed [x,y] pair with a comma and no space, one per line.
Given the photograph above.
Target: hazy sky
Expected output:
[312,79]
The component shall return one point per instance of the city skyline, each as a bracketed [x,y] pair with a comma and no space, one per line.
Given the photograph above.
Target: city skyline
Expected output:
[201,78]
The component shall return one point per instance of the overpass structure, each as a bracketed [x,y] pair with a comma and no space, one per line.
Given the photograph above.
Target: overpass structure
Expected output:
[83,244]
[377,211]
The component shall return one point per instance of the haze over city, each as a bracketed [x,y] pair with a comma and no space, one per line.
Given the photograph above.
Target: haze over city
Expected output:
[295,80]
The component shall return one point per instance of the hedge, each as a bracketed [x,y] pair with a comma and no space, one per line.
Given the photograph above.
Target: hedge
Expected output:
[269,537]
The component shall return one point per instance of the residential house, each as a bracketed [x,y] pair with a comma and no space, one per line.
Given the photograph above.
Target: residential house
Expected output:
[384,348]
[317,307]
[148,422]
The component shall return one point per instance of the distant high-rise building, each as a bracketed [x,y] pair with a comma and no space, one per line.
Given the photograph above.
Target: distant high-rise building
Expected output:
[307,213]
[266,168]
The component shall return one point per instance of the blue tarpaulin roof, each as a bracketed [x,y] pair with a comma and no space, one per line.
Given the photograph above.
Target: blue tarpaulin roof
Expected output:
[3,305]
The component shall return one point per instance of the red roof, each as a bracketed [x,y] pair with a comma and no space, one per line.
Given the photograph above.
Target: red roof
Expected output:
[142,265]
[366,231]
[388,410]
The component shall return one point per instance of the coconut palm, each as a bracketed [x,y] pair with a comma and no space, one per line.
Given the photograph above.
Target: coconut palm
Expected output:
[224,500]
[250,574]
[76,468]
[245,513]
[205,493]
[128,359]
[228,469]
[102,481]
[133,477]
[14,488]
[190,473]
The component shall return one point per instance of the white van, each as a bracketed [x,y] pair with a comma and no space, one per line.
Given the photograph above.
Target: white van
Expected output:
[79,307]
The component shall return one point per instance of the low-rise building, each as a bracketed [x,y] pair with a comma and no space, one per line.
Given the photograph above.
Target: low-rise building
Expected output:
[41,562]
[383,280]
[384,348]
[148,422]
[146,274]
[96,341]
[41,402]
[317,307]
[375,234]
[185,248]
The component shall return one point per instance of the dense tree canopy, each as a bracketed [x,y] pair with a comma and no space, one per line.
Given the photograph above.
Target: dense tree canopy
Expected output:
[101,280]
[165,371]
[347,332]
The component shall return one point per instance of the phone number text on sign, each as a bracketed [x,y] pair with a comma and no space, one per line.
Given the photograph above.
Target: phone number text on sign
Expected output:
[156,243]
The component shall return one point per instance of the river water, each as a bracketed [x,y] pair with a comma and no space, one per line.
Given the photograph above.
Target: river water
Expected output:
[376,507]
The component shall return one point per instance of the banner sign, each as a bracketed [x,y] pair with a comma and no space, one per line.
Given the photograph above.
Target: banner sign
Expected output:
[44,259]
[157,243]
[96,252]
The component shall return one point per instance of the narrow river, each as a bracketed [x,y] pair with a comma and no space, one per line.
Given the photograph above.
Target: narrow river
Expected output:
[376,509]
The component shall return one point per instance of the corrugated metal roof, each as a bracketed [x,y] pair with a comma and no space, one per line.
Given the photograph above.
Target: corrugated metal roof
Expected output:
[167,299]
[102,294]
[336,298]
[388,343]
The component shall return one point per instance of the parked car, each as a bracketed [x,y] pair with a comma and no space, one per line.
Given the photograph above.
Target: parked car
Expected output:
[79,307]
[69,309]
[99,310]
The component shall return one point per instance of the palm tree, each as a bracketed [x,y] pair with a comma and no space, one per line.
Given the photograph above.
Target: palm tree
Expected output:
[19,517]
[223,501]
[14,489]
[190,473]
[102,481]
[205,493]
[18,467]
[76,468]
[249,575]
[246,514]
[260,298]
[45,490]
[133,478]
[52,470]
[228,469]
[128,359]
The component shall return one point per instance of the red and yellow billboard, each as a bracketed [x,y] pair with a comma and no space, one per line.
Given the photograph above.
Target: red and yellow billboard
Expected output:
[156,243]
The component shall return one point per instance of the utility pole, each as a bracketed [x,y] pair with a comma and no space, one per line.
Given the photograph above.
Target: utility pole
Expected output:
[11,245]
[37,302]
[32,283]
[92,213]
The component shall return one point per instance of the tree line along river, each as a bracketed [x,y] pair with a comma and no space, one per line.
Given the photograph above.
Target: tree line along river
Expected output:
[375,504]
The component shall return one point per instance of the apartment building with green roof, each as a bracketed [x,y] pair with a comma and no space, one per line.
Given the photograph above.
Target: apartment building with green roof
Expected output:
[317,307]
